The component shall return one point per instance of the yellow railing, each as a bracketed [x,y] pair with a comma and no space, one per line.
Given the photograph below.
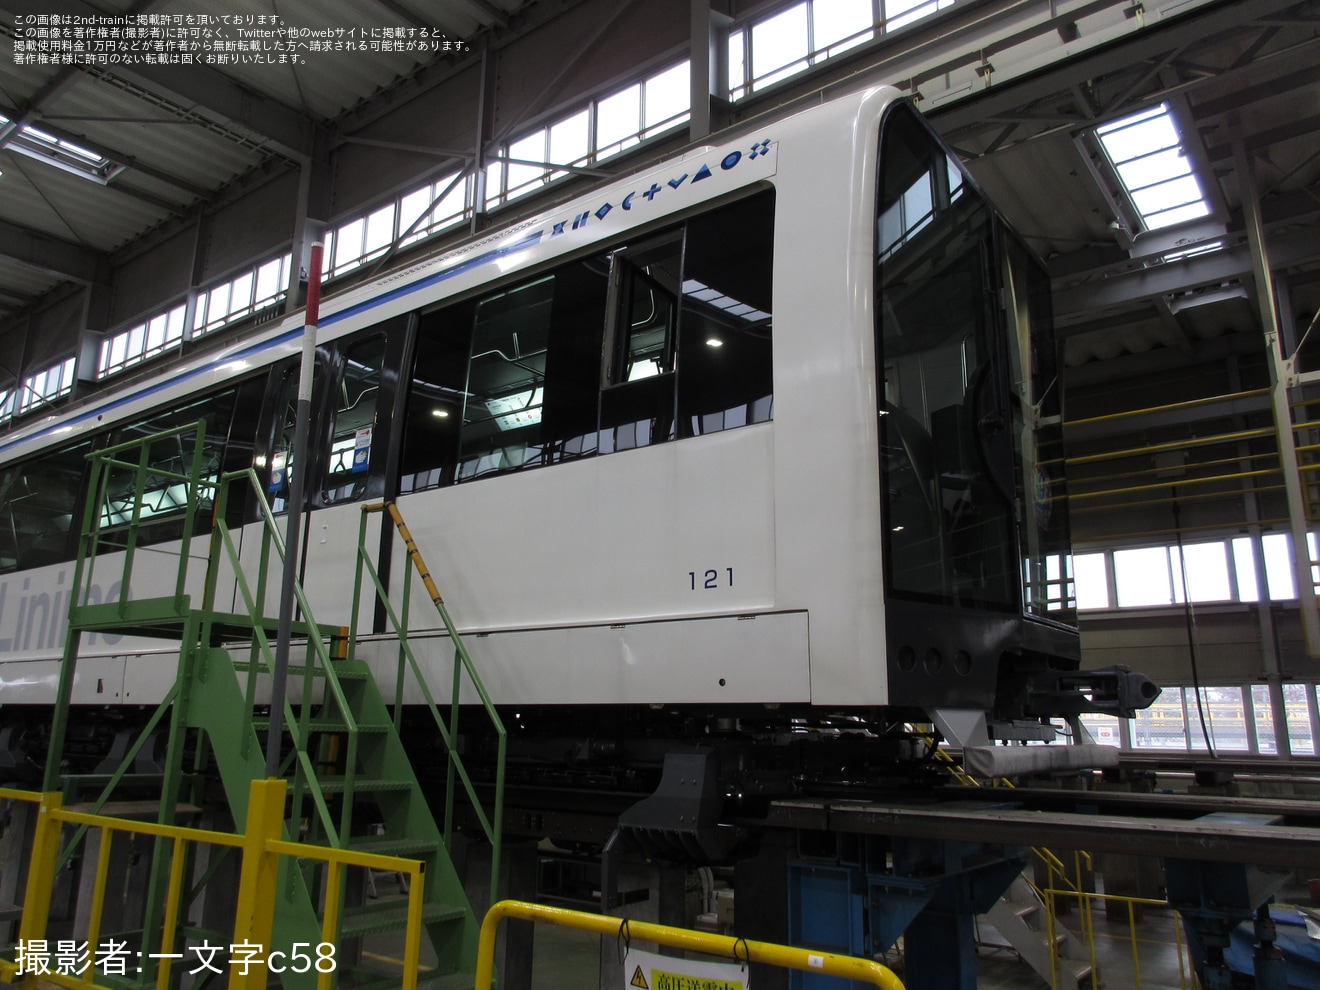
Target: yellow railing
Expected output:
[1088,898]
[734,949]
[262,847]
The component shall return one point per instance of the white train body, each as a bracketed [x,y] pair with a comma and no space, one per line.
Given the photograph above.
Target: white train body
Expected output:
[744,566]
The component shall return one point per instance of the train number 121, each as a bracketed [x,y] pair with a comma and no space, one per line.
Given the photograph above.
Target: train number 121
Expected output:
[711,579]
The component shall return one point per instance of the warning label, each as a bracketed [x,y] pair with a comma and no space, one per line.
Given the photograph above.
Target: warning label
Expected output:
[653,972]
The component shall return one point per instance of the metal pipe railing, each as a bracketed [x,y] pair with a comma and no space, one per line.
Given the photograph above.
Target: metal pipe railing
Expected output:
[742,950]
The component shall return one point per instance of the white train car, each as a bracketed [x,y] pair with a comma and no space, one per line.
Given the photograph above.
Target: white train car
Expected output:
[771,426]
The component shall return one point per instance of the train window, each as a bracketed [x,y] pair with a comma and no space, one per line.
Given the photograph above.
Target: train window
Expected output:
[281,448]
[637,406]
[946,449]
[165,497]
[39,501]
[435,399]
[353,443]
[534,374]
[725,375]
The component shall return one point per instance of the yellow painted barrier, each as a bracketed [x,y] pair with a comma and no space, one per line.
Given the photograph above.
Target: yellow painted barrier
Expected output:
[739,949]
[262,848]
[1088,898]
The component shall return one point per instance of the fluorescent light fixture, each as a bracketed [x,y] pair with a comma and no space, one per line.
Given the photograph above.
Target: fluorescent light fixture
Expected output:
[713,297]
[46,147]
[714,342]
[439,413]
[1194,251]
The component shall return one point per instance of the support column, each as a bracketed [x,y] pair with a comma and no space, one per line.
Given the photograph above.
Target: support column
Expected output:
[514,943]
[485,134]
[1279,371]
[665,905]
[315,187]
[761,902]
[95,320]
[709,70]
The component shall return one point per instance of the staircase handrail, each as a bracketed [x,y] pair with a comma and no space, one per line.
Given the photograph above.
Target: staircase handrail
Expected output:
[298,727]
[492,826]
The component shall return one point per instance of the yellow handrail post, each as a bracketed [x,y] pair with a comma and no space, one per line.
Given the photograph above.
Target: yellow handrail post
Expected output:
[41,874]
[254,916]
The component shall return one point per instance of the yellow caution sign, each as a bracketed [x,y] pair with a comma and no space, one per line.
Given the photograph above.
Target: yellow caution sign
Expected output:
[655,972]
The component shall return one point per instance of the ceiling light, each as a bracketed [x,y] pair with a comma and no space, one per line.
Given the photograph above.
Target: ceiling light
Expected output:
[714,342]
[439,413]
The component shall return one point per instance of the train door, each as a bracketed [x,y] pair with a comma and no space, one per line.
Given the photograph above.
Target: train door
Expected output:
[354,453]
[958,430]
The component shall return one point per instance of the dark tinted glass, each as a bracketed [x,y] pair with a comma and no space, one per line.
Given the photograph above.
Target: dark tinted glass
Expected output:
[946,453]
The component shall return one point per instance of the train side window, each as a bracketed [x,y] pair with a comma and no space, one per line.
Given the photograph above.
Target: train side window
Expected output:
[725,375]
[353,441]
[39,506]
[165,497]
[534,375]
[637,404]
[434,409]
[280,459]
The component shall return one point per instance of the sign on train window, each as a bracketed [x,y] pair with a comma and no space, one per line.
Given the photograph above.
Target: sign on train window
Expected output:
[353,440]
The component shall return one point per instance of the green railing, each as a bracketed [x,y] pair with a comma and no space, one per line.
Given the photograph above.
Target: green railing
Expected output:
[318,662]
[492,825]
[156,493]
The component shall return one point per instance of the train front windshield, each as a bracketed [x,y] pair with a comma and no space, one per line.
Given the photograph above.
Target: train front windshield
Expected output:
[970,415]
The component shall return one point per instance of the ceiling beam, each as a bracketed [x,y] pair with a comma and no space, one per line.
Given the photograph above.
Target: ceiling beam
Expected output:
[209,92]
[972,115]
[50,254]
[1127,289]
[1268,91]
[9,295]
[1266,138]
[440,70]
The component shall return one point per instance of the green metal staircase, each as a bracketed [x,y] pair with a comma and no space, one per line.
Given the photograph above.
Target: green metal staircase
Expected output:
[351,783]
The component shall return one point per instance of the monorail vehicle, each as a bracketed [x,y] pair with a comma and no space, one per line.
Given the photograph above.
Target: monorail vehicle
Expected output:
[761,437]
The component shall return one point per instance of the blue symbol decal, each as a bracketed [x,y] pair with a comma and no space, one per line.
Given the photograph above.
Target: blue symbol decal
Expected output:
[702,173]
[627,201]
[558,228]
[650,193]
[760,148]
[360,458]
[730,160]
[581,220]
[600,214]
[675,183]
